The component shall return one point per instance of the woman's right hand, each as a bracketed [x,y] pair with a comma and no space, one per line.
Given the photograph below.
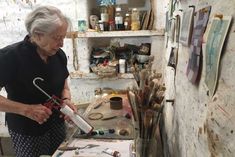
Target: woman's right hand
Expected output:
[38,113]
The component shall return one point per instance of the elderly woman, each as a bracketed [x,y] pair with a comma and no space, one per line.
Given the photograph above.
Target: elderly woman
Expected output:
[34,128]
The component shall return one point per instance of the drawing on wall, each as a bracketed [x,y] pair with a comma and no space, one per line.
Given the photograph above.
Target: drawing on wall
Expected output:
[216,36]
[186,27]
[194,62]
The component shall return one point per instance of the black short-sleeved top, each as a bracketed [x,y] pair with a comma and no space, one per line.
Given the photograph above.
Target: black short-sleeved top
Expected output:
[19,65]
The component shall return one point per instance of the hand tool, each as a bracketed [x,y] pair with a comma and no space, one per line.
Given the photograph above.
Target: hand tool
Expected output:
[57,103]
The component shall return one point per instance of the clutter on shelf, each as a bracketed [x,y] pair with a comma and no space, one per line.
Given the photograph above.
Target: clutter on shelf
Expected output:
[114,59]
[110,16]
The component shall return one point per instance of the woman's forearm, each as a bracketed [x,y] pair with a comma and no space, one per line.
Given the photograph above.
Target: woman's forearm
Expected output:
[66,91]
[7,105]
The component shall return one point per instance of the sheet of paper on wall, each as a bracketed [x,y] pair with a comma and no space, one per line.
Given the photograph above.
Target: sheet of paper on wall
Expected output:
[214,44]
[122,146]
[194,62]
[186,27]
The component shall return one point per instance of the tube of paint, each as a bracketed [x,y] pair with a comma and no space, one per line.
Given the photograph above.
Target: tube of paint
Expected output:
[112,152]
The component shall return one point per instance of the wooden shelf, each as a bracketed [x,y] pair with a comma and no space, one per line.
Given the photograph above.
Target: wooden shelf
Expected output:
[78,75]
[93,34]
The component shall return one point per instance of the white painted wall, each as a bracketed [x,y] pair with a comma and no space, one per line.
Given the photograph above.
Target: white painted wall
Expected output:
[196,125]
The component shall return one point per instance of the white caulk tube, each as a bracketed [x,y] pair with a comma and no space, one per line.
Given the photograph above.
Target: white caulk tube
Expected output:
[77,119]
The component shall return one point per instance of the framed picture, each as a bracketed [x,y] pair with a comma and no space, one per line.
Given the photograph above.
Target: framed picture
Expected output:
[186,27]
[215,40]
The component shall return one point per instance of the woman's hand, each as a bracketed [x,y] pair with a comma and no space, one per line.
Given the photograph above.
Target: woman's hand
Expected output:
[38,113]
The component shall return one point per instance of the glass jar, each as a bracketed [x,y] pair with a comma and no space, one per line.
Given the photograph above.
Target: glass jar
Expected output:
[111,25]
[104,16]
[101,25]
[146,147]
[135,19]
[118,19]
[127,22]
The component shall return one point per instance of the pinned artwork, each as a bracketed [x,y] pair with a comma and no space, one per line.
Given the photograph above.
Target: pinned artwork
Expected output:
[216,36]
[186,27]
[194,62]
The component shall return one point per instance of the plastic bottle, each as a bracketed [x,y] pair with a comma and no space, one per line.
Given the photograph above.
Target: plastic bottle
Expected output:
[135,19]
[127,22]
[118,18]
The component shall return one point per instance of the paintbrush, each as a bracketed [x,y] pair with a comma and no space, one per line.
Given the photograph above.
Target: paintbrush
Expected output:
[154,86]
[143,74]
[148,123]
[130,96]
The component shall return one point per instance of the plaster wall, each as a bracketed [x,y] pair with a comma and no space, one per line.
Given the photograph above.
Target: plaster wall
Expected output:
[195,124]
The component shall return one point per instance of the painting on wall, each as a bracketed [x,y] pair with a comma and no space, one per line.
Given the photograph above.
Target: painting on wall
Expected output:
[186,27]
[194,62]
[215,40]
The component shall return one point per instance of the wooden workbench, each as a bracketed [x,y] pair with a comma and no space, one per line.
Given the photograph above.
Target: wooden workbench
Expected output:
[114,141]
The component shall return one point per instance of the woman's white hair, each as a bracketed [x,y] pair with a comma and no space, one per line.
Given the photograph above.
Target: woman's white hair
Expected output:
[44,19]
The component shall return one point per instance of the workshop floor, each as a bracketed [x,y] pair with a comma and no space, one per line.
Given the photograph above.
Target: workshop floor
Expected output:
[7,147]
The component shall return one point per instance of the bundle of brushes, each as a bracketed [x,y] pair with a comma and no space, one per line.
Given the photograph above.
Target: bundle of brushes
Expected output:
[146,105]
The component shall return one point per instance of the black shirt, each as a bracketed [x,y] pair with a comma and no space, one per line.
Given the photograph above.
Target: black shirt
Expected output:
[19,65]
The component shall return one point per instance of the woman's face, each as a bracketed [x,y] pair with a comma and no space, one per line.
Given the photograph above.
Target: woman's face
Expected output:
[50,43]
